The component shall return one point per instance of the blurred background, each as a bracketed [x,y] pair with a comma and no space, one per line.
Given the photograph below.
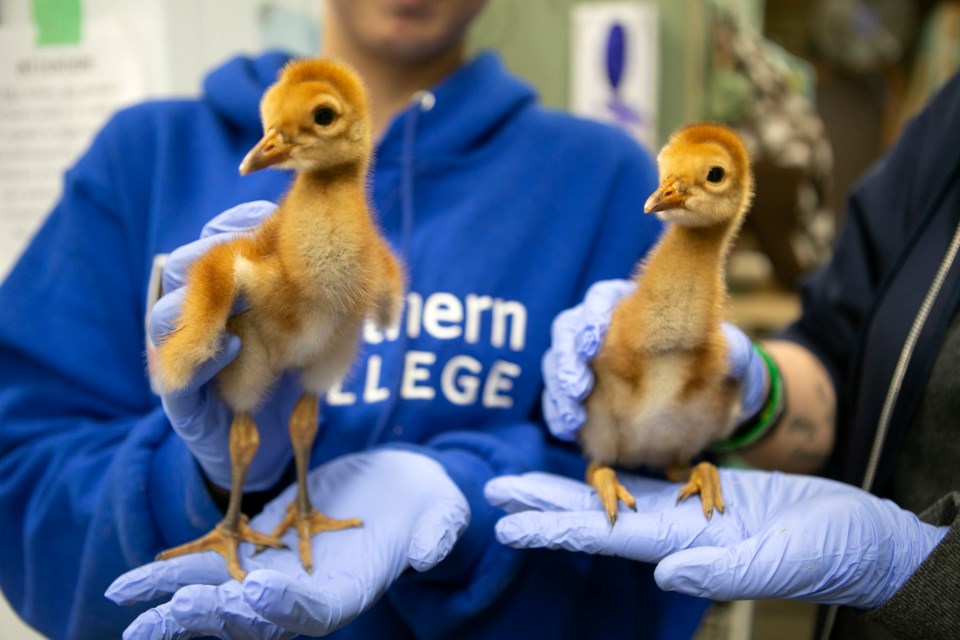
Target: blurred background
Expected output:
[818,88]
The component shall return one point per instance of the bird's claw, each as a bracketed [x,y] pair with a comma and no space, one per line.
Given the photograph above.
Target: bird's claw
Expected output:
[705,480]
[609,490]
[224,539]
[307,525]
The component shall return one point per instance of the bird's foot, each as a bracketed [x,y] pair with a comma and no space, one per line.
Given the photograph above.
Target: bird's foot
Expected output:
[224,540]
[609,490]
[307,525]
[705,480]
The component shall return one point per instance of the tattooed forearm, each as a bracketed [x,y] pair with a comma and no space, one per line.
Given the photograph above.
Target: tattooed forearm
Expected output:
[815,459]
[801,426]
[803,439]
[828,400]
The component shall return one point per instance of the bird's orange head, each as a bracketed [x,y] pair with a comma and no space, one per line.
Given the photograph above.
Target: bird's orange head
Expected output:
[705,178]
[315,118]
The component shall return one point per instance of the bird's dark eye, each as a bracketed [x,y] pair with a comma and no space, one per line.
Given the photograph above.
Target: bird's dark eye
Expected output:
[715,175]
[323,116]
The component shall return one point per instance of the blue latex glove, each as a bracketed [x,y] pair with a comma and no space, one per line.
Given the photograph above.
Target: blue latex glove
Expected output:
[747,366]
[576,336]
[197,413]
[412,516]
[782,536]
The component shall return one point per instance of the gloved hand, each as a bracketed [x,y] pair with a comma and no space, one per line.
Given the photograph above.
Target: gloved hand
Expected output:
[782,536]
[197,413]
[576,336]
[412,516]
[747,366]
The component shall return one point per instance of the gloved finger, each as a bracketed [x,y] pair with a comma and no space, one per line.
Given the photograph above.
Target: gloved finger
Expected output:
[576,336]
[157,624]
[548,492]
[540,491]
[703,572]
[641,537]
[240,218]
[739,347]
[167,576]
[307,607]
[436,531]
[166,312]
[604,295]
[748,367]
[562,367]
[769,565]
[181,404]
[164,315]
[563,416]
[566,374]
[598,305]
[222,612]
[564,328]
[178,262]
[207,439]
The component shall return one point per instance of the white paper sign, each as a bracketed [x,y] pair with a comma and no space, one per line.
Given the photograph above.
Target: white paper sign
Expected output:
[52,101]
[615,56]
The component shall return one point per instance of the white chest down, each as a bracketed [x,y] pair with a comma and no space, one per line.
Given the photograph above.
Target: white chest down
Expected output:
[662,424]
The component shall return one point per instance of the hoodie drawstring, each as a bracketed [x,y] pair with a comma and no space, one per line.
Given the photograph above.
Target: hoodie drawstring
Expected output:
[422,101]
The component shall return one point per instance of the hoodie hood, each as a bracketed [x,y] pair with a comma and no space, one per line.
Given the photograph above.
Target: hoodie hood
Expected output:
[470,105]
[233,90]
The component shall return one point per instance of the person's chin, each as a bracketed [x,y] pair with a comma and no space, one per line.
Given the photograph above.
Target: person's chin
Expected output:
[411,49]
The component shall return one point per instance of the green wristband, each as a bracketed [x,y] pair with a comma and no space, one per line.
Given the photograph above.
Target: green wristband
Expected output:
[768,416]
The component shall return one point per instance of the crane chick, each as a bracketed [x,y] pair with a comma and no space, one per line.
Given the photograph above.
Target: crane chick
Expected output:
[310,273]
[663,392]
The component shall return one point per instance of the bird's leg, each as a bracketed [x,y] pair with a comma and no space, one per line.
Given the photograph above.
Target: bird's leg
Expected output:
[225,537]
[703,479]
[301,514]
[609,490]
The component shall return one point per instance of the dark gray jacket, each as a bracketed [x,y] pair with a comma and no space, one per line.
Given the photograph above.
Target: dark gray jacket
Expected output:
[857,314]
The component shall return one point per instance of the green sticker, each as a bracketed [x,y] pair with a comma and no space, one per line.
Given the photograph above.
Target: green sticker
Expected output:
[57,21]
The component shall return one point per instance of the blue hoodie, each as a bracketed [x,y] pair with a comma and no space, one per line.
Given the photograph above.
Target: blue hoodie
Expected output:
[503,212]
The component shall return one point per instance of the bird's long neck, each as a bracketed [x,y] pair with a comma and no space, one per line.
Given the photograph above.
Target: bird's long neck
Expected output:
[695,255]
[324,219]
[321,189]
[681,287]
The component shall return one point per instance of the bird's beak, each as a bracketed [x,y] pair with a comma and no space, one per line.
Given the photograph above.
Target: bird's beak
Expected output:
[272,149]
[671,194]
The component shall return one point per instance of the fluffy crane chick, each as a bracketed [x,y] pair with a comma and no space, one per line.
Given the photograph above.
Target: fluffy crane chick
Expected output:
[311,273]
[663,391]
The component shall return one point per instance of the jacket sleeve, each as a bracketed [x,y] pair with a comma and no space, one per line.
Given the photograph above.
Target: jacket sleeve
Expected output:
[925,607]
[94,480]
